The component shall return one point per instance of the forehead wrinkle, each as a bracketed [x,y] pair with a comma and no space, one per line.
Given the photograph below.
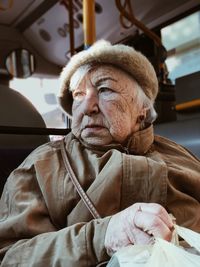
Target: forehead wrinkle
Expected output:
[111,72]
[104,79]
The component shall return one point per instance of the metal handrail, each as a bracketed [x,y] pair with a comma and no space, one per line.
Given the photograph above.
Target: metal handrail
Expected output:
[32,130]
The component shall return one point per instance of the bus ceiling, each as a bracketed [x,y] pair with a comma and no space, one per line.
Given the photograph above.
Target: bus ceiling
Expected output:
[44,34]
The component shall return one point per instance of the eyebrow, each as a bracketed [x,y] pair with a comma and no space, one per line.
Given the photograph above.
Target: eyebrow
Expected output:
[101,80]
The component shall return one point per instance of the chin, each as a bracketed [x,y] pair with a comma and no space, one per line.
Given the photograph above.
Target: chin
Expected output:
[96,138]
[97,141]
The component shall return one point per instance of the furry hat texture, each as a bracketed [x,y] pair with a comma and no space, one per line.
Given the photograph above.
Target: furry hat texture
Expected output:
[122,56]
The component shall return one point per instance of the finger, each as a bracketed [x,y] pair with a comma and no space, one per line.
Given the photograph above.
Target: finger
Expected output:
[137,236]
[152,225]
[157,210]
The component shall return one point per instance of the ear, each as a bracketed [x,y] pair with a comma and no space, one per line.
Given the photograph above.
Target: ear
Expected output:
[142,115]
[140,119]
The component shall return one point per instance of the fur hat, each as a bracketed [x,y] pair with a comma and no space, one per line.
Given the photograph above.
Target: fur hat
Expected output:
[122,56]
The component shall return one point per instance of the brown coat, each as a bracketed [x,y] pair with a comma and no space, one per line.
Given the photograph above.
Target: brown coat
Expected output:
[43,222]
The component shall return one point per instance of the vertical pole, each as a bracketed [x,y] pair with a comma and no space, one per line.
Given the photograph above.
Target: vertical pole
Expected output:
[89,22]
[71,27]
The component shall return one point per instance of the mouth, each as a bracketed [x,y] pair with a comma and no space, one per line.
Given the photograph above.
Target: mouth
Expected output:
[93,126]
[93,130]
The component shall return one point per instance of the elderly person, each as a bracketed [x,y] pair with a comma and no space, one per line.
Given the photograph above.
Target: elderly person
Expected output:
[110,182]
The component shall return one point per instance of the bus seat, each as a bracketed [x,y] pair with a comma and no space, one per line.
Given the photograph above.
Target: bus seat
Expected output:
[16,110]
[186,129]
[184,132]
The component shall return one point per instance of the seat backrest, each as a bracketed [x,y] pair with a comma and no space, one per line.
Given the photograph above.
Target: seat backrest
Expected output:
[186,129]
[184,132]
[16,110]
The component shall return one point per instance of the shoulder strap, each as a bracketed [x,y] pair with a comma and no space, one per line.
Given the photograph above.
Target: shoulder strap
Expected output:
[77,185]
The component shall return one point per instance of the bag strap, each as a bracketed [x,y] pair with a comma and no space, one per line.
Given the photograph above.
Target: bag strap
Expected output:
[77,185]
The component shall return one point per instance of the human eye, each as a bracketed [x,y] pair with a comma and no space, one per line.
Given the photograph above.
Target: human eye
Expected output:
[105,90]
[78,95]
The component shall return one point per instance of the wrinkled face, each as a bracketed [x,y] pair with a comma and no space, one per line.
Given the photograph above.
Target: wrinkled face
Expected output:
[105,107]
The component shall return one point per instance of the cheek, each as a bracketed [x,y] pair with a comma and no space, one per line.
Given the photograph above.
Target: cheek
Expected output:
[76,121]
[118,117]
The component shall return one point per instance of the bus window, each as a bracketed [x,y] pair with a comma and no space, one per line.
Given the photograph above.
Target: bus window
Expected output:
[42,94]
[182,41]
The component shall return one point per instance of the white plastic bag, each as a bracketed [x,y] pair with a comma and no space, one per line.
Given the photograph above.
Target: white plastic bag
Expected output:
[162,253]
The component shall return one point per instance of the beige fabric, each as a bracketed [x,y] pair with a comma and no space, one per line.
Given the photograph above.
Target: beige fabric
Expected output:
[122,56]
[43,222]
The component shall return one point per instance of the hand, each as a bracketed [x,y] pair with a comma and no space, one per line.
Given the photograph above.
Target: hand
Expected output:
[138,224]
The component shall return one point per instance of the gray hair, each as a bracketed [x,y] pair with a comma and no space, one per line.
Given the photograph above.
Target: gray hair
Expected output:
[148,104]
[78,76]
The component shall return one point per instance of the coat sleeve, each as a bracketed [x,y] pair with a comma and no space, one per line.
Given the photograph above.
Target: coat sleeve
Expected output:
[183,192]
[29,237]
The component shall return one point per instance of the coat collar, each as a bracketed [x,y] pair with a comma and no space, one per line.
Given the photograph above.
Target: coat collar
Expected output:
[138,144]
[141,141]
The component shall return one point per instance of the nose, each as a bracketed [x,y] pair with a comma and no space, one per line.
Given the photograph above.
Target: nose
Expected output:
[91,103]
